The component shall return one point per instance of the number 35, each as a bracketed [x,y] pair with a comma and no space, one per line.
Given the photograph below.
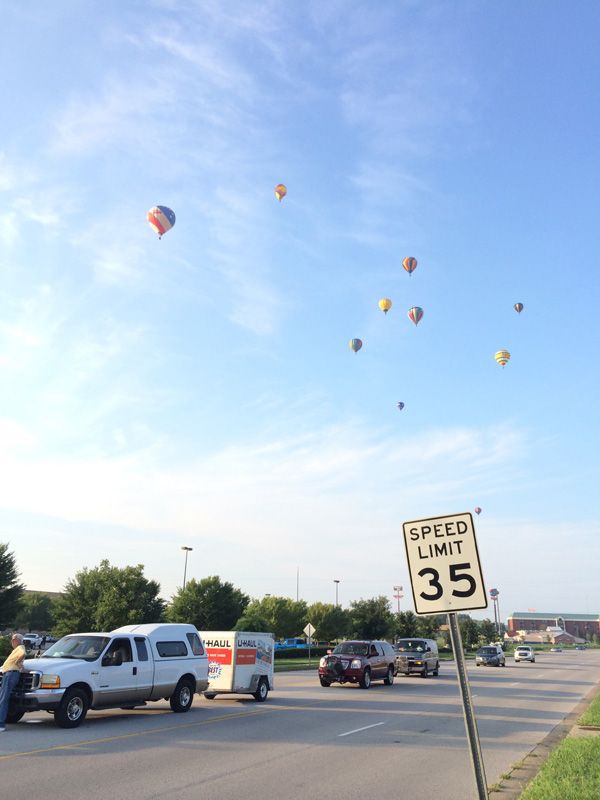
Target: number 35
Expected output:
[456,575]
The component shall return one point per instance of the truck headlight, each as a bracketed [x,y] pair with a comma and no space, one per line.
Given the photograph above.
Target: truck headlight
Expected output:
[323,662]
[50,682]
[355,663]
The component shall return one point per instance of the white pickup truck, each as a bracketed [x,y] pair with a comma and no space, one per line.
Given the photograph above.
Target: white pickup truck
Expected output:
[123,669]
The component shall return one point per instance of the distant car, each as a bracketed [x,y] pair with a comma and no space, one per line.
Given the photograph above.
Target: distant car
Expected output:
[417,655]
[359,662]
[556,649]
[32,640]
[580,647]
[524,653]
[491,655]
[285,644]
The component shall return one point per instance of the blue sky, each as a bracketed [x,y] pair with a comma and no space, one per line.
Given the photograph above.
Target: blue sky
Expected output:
[200,390]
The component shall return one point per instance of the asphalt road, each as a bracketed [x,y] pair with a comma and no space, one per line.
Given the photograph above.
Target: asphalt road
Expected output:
[403,741]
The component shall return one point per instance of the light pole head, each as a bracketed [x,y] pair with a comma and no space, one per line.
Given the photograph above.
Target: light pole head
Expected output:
[187,548]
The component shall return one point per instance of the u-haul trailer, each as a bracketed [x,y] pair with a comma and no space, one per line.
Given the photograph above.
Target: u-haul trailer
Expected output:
[239,662]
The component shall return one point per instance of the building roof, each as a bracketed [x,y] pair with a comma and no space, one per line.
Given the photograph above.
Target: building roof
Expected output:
[536,615]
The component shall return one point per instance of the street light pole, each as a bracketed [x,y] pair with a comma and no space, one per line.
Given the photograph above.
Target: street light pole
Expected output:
[336,591]
[187,550]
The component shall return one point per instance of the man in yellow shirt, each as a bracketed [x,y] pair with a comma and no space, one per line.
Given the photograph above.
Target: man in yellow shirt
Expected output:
[10,676]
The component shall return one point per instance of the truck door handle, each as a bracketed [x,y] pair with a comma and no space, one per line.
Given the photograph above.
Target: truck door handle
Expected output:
[135,670]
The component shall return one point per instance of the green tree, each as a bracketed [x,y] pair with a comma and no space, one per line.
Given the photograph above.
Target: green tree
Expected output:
[428,626]
[371,619]
[36,612]
[252,620]
[284,617]
[107,597]
[209,604]
[10,588]
[487,631]
[406,625]
[329,621]
[469,631]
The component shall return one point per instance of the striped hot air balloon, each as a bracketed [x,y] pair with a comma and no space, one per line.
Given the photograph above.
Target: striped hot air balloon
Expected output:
[415,314]
[478,511]
[355,344]
[410,264]
[502,357]
[518,307]
[161,219]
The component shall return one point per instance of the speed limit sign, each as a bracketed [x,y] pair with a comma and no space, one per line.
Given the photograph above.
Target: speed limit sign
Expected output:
[443,563]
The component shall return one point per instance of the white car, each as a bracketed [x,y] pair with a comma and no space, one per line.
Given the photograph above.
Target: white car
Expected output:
[32,641]
[524,653]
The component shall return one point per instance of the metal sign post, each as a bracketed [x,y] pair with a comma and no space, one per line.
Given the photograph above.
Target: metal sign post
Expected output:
[470,723]
[309,630]
[445,576]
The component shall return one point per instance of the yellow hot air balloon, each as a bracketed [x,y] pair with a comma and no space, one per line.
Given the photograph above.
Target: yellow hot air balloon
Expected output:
[280,191]
[385,305]
[502,357]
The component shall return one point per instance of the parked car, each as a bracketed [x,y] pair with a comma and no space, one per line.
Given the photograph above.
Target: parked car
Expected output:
[359,662]
[32,641]
[491,655]
[123,669]
[524,653]
[284,644]
[580,647]
[417,656]
[556,649]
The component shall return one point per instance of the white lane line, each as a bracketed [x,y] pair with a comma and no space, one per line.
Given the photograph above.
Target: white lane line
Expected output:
[366,728]
[515,684]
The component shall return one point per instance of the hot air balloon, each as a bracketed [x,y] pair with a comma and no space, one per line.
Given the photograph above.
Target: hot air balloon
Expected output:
[518,307]
[502,357]
[355,344]
[478,511]
[410,264]
[400,406]
[385,305]
[415,314]
[280,191]
[161,219]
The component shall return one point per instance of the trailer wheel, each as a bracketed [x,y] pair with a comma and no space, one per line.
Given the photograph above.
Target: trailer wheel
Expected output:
[182,697]
[260,695]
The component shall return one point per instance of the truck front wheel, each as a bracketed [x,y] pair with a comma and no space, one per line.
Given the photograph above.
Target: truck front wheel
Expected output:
[260,695]
[14,716]
[72,710]
[182,697]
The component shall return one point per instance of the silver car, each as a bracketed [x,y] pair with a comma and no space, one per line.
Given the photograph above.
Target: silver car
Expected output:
[491,655]
[524,653]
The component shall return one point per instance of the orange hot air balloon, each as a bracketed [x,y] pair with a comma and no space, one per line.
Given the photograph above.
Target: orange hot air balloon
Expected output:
[280,191]
[385,305]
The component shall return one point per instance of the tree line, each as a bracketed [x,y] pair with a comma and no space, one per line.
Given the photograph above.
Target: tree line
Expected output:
[107,597]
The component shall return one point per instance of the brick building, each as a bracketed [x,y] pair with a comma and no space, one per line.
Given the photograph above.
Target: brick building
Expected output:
[580,625]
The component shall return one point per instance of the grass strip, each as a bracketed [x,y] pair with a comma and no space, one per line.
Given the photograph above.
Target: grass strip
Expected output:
[571,772]
[592,714]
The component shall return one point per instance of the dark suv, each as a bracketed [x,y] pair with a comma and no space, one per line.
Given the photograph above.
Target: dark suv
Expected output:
[359,662]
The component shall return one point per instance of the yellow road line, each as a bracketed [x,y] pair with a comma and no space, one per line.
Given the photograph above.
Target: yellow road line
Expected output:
[161,730]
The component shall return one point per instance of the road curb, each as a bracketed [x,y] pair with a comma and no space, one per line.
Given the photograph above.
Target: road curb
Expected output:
[528,768]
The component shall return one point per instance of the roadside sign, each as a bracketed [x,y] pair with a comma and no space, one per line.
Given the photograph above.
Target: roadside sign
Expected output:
[309,630]
[443,563]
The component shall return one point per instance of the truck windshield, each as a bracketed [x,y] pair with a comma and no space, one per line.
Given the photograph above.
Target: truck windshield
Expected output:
[87,648]
[352,649]
[411,646]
